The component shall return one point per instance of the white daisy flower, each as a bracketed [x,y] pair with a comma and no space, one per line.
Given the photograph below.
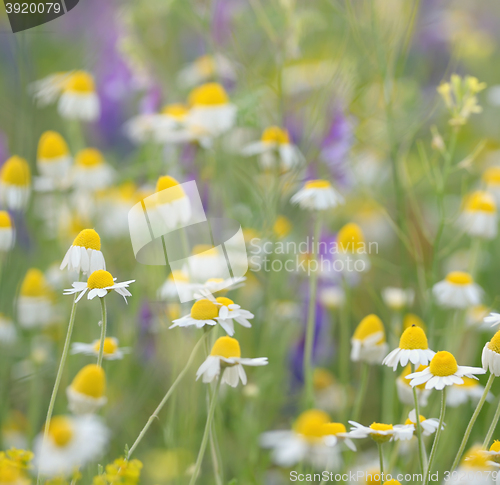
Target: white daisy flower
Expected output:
[443,371]
[351,249]
[139,129]
[368,341]
[216,285]
[429,426]
[332,297]
[79,100]
[15,183]
[381,433]
[491,355]
[476,318]
[207,263]
[457,290]
[230,311]
[171,203]
[275,148]
[203,312]
[210,113]
[479,215]
[8,332]
[34,304]
[329,395]
[111,351]
[405,391]
[205,68]
[226,356]
[86,392]
[491,178]
[398,299]
[53,158]
[85,253]
[170,125]
[312,440]
[72,442]
[493,453]
[99,283]
[47,90]
[477,464]
[176,287]
[413,347]
[7,232]
[91,172]
[317,195]
[470,390]
[493,319]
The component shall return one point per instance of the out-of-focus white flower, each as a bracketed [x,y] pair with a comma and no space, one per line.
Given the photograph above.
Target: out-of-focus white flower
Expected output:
[332,297]
[176,287]
[405,391]
[205,68]
[317,195]
[368,342]
[492,319]
[7,232]
[457,290]
[86,392]
[111,351]
[352,249]
[476,317]
[398,298]
[91,172]
[470,390]
[171,202]
[329,395]
[34,304]
[15,183]
[491,178]
[381,433]
[8,332]
[479,215]
[53,158]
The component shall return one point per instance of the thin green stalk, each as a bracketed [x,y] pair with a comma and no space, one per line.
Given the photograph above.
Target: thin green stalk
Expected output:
[421,448]
[492,426]
[365,371]
[436,439]
[206,433]
[344,335]
[167,396]
[104,324]
[311,317]
[472,421]
[381,460]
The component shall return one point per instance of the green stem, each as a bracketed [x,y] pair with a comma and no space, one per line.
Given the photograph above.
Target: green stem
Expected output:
[311,316]
[381,459]
[361,391]
[103,331]
[167,396]
[492,426]
[344,335]
[436,439]
[421,448]
[472,421]
[206,433]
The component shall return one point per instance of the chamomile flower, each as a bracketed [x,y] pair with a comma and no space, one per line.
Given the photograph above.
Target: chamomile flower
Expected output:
[471,390]
[176,287]
[72,441]
[352,249]
[332,297]
[226,357]
[479,215]
[203,312]
[429,426]
[171,202]
[493,453]
[476,317]
[86,392]
[205,68]
[491,355]
[91,172]
[85,253]
[34,304]
[7,232]
[491,178]
[312,439]
[317,195]
[219,285]
[475,464]
[211,113]
[229,312]
[368,342]
[405,391]
[457,290]
[170,125]
[443,371]
[398,299]
[329,395]
[275,149]
[413,347]
[8,332]
[79,100]
[111,351]
[382,433]
[99,283]
[492,319]
[53,158]
[15,183]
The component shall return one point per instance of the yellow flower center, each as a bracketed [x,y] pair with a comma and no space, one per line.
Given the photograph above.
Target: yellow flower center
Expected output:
[174,192]
[350,238]
[110,345]
[409,421]
[311,424]
[469,382]
[392,482]
[80,82]
[480,202]
[89,158]
[204,310]
[459,278]
[176,110]
[317,184]
[322,378]
[5,220]
[413,338]
[492,176]
[495,446]
[91,381]
[372,477]
[443,364]
[89,239]
[205,65]
[274,134]
[52,146]
[34,284]
[410,320]
[16,171]
[282,227]
[368,326]
[494,343]
[381,427]
[333,429]
[100,279]
[60,430]
[210,94]
[226,347]
[224,301]
[476,459]
[178,276]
